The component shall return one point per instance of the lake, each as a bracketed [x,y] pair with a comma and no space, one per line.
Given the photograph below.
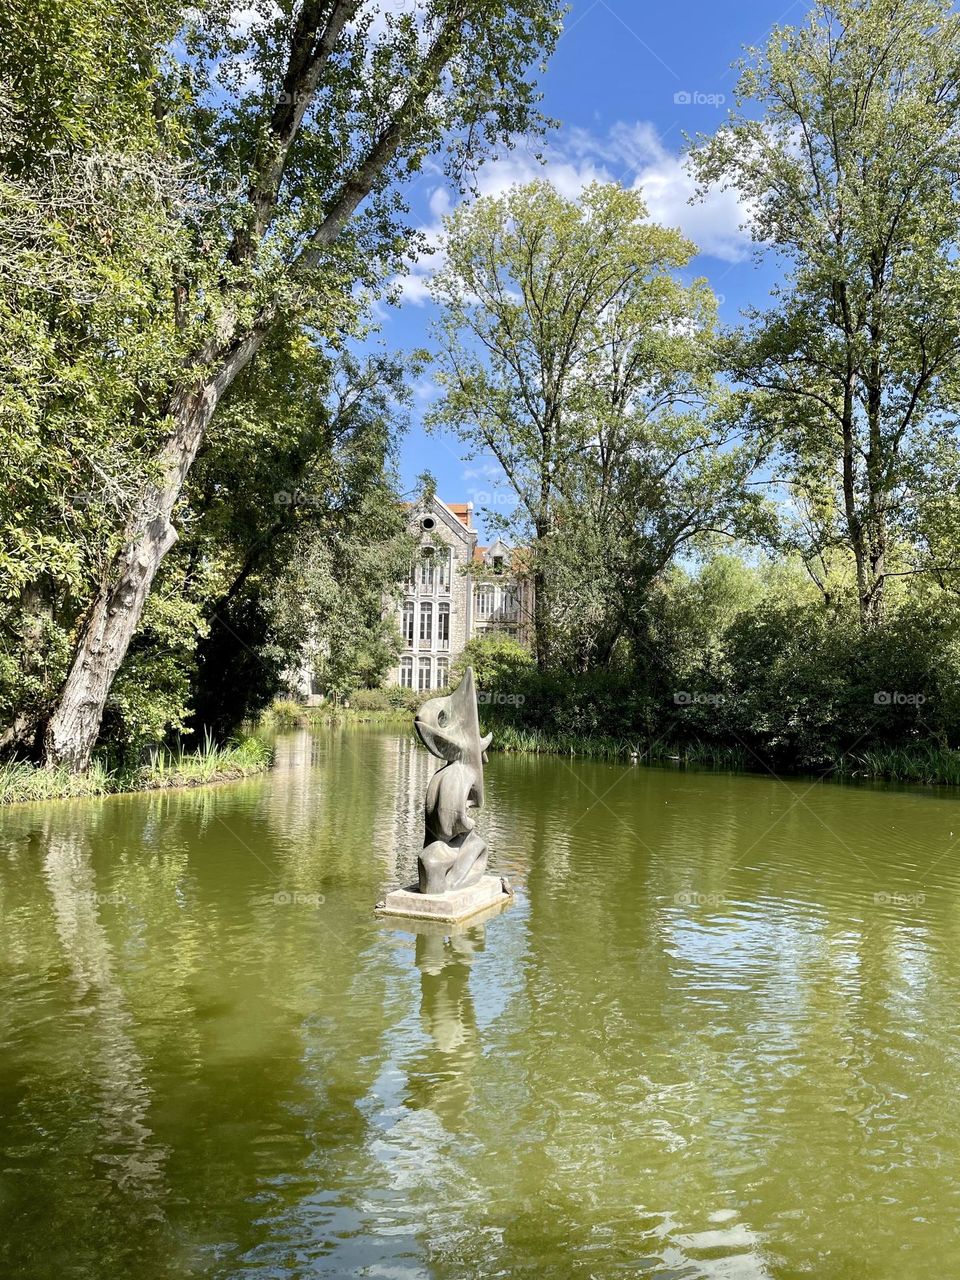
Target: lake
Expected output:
[715,1034]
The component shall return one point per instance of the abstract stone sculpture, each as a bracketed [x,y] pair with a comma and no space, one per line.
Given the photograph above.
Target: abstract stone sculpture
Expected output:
[454,854]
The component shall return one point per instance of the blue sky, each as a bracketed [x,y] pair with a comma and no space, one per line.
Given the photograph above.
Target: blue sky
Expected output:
[627,82]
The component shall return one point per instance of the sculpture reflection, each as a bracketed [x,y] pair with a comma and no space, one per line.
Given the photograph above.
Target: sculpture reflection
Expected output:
[440,1079]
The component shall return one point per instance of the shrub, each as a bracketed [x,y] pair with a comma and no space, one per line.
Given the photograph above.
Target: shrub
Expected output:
[285,713]
[370,700]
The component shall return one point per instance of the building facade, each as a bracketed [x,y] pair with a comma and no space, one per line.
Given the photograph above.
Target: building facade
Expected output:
[455,590]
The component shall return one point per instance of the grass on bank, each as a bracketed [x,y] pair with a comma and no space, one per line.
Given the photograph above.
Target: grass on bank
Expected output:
[21,781]
[601,747]
[923,763]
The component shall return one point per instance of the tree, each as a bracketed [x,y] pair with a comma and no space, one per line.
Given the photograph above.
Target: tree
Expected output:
[314,110]
[850,173]
[92,206]
[570,350]
[298,536]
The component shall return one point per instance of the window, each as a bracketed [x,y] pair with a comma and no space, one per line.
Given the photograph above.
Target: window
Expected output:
[444,570]
[411,584]
[484,601]
[407,627]
[406,673]
[443,672]
[511,602]
[428,523]
[424,680]
[498,564]
[426,622]
[427,569]
[443,625]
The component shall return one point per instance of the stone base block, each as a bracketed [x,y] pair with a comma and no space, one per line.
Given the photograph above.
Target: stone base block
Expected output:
[449,908]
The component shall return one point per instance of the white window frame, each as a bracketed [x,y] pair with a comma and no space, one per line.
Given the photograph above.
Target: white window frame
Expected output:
[485,600]
[426,622]
[408,614]
[428,569]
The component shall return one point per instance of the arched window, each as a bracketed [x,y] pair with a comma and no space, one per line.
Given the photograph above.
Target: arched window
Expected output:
[424,677]
[443,672]
[407,626]
[428,569]
[406,673]
[443,625]
[445,569]
[426,622]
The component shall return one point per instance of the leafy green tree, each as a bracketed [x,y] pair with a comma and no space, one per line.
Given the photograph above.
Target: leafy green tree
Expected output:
[92,204]
[850,172]
[571,351]
[296,535]
[295,131]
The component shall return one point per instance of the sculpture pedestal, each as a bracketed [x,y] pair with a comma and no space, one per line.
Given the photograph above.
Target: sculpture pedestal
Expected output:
[447,908]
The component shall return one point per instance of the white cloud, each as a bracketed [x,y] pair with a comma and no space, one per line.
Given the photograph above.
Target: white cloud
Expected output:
[629,153]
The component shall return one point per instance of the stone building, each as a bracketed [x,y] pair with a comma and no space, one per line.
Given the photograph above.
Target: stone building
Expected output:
[454,591]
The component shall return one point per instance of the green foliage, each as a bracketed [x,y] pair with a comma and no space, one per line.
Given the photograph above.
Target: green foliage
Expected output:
[284,713]
[300,533]
[499,661]
[88,245]
[746,659]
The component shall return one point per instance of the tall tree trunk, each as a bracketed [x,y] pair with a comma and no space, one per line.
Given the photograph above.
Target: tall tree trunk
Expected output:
[115,612]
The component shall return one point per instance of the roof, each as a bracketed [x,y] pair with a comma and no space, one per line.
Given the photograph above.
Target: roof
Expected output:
[517,556]
[462,510]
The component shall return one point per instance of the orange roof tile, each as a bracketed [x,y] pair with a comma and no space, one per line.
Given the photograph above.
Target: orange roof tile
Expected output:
[461,510]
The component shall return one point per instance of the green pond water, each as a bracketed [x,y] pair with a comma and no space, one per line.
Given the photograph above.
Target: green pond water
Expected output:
[714,1035]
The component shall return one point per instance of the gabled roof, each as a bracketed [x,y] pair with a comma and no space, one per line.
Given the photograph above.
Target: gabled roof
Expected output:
[459,513]
[515,557]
